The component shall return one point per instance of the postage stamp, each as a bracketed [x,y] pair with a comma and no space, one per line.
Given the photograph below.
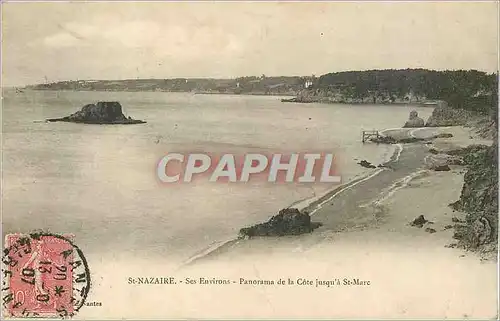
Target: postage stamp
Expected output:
[44,275]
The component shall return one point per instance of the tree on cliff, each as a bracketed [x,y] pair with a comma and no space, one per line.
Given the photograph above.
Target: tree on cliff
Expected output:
[467,89]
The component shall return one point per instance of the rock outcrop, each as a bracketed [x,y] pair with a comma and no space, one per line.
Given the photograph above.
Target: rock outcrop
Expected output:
[486,129]
[439,159]
[366,164]
[444,115]
[443,135]
[414,120]
[419,221]
[391,140]
[289,221]
[470,154]
[381,139]
[103,112]
[441,168]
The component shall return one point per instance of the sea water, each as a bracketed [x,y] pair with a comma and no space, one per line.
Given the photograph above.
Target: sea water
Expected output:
[98,182]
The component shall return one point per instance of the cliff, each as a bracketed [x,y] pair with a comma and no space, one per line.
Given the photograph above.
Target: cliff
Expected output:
[345,96]
[414,121]
[479,197]
[444,115]
[99,113]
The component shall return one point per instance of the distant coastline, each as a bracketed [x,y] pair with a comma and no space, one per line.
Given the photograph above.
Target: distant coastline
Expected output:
[246,94]
[281,86]
[461,89]
[292,99]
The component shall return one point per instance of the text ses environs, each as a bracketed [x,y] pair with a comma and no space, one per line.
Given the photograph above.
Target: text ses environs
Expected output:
[301,282]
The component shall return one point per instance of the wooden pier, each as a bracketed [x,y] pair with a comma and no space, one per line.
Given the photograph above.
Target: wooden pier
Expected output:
[367,134]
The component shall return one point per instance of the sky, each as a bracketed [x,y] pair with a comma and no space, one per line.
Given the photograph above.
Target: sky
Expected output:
[123,40]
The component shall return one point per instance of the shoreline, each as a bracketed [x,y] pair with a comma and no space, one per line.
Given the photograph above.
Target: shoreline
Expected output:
[316,202]
[327,102]
[159,91]
[313,204]
[416,152]
[277,95]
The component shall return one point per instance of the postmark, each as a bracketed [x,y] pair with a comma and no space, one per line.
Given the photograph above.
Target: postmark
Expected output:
[44,275]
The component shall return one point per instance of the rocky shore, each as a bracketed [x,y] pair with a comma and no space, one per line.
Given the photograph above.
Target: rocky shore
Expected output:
[479,197]
[102,112]
[479,194]
[327,97]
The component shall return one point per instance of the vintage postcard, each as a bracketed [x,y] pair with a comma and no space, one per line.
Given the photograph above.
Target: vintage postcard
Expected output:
[249,160]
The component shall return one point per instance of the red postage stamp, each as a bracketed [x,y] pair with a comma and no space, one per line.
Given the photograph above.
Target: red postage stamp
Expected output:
[44,275]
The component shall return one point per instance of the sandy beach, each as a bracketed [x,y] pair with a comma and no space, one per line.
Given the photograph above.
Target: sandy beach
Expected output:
[366,235]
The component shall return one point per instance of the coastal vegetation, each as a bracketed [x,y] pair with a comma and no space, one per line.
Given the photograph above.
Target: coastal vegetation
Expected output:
[467,89]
